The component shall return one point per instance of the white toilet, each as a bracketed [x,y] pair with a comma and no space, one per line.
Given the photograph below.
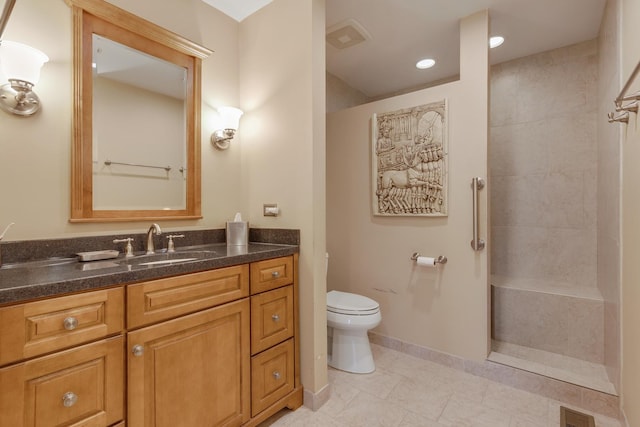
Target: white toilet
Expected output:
[349,317]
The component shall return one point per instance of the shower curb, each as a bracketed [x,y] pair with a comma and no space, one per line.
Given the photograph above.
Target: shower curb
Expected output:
[578,396]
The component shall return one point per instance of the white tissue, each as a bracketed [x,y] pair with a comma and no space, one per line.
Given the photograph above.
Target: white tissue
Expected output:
[237,218]
[426,261]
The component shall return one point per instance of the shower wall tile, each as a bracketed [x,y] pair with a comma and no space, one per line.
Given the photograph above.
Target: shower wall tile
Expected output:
[519,149]
[559,144]
[530,319]
[590,180]
[557,254]
[504,89]
[571,142]
[586,329]
[543,160]
[612,341]
[608,185]
[544,200]
[565,325]
[554,89]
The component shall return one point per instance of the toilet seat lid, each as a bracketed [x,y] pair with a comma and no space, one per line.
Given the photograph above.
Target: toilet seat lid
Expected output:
[347,303]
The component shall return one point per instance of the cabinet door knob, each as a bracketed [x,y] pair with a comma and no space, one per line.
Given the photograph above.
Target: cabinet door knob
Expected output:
[69,399]
[137,350]
[70,323]
[275,274]
[275,318]
[276,375]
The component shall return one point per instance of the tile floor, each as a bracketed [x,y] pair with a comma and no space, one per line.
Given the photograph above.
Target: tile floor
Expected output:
[406,391]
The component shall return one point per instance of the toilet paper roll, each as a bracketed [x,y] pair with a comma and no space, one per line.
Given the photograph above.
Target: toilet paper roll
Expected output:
[426,261]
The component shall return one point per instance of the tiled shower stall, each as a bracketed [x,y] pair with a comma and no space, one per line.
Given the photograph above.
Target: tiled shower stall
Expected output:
[549,178]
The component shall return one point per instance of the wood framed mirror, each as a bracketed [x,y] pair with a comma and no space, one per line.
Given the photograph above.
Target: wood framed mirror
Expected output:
[136,121]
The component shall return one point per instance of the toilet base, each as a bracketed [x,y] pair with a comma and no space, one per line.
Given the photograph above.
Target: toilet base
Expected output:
[351,351]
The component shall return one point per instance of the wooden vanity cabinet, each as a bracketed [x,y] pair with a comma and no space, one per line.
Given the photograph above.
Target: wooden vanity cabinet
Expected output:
[68,364]
[213,348]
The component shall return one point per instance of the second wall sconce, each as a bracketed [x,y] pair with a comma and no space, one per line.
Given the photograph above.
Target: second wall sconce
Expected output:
[20,65]
[230,119]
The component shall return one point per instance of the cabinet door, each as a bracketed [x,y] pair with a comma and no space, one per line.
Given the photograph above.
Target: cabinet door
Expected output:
[83,386]
[191,371]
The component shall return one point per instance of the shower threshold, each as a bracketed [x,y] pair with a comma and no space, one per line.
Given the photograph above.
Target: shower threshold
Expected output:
[552,365]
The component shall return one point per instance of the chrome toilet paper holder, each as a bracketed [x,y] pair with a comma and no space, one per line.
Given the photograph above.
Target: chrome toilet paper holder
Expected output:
[439,260]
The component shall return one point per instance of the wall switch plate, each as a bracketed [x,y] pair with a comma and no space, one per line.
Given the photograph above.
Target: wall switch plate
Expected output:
[270,209]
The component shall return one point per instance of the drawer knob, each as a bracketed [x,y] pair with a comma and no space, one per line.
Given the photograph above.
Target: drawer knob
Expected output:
[276,375]
[70,323]
[275,318]
[137,350]
[69,399]
[275,274]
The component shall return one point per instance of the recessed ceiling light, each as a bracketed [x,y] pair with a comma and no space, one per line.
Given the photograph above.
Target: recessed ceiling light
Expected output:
[495,41]
[425,63]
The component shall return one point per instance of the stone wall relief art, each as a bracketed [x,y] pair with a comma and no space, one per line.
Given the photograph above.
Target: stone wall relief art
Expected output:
[409,161]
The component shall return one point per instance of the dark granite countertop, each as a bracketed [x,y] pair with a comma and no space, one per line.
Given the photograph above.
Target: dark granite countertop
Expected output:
[40,278]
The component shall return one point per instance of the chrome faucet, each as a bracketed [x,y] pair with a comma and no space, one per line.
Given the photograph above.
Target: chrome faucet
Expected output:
[154,229]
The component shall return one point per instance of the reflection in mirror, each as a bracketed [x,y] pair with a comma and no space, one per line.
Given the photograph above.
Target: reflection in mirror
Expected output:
[144,167]
[136,148]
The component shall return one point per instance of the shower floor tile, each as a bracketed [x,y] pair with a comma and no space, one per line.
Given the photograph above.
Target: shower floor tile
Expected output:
[553,365]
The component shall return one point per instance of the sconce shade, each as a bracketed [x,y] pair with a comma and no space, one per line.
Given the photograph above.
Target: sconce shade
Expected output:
[230,117]
[20,65]
[21,62]
[230,120]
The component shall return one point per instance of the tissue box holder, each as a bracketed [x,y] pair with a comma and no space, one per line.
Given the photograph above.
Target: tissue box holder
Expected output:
[237,233]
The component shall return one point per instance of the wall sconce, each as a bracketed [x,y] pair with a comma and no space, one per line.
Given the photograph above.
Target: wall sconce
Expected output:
[230,119]
[20,65]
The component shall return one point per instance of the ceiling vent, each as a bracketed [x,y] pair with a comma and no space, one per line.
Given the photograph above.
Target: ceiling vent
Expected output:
[346,34]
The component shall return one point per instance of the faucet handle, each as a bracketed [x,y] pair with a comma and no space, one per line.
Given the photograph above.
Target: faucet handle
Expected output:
[170,245]
[128,249]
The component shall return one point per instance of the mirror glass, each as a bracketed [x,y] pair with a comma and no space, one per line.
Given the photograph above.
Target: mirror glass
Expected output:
[136,133]
[139,163]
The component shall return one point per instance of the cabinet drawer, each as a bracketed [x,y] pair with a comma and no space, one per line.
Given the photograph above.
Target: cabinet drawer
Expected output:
[271,318]
[36,328]
[271,274]
[163,299]
[272,376]
[80,387]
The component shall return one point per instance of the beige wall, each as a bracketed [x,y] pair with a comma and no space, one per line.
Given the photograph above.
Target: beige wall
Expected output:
[271,65]
[630,50]
[282,92]
[340,95]
[444,309]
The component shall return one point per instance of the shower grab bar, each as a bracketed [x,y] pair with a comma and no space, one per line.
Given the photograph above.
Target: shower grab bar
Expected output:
[477,184]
